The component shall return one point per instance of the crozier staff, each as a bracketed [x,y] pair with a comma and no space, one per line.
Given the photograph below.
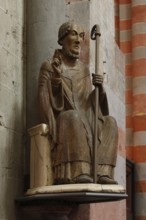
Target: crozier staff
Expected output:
[67,105]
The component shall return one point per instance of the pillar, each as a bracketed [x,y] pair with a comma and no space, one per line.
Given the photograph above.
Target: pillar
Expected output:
[41,40]
[126,47]
[139,102]
[44,17]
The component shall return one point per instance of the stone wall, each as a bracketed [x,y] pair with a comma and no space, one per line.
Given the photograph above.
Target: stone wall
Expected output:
[12,116]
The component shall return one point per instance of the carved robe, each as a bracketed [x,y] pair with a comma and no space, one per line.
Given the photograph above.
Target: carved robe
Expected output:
[67,106]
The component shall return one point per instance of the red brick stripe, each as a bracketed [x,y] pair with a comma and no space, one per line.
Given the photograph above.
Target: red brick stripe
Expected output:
[125,46]
[117,2]
[117,22]
[139,154]
[140,122]
[139,40]
[139,104]
[125,25]
[124,2]
[140,186]
[129,98]
[139,67]
[129,122]
[139,14]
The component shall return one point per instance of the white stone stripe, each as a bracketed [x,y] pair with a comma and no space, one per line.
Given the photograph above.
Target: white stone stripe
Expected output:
[140,171]
[128,58]
[139,85]
[140,204]
[129,137]
[125,35]
[139,53]
[129,83]
[139,28]
[125,12]
[139,138]
[138,2]
[117,9]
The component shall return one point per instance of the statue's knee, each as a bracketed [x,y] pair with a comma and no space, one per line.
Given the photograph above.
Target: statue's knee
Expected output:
[70,115]
[111,120]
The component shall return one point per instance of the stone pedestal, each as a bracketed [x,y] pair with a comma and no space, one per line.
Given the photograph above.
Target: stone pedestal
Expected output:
[40,160]
[65,202]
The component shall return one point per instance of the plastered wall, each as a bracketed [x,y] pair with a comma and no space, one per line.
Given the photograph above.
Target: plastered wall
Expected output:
[11,105]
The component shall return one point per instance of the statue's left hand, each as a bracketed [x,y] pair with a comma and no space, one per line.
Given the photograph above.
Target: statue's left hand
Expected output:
[97,80]
[56,65]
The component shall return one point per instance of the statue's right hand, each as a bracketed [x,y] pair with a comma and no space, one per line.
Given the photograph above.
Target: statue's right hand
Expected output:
[57,67]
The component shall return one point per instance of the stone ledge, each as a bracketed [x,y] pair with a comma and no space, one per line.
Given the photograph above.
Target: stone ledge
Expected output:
[90,187]
[72,194]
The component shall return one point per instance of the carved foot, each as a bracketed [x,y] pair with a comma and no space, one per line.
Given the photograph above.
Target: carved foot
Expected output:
[83,178]
[106,180]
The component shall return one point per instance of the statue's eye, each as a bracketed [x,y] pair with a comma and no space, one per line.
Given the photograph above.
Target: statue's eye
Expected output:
[73,33]
[82,35]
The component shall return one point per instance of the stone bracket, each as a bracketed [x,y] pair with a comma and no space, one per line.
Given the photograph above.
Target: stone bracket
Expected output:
[69,198]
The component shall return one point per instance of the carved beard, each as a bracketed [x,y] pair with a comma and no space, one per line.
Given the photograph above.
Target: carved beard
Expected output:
[71,54]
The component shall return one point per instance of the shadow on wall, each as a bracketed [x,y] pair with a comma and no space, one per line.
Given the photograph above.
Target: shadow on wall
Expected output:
[12,164]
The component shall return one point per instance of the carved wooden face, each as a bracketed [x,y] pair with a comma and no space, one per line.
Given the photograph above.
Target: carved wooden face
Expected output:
[72,42]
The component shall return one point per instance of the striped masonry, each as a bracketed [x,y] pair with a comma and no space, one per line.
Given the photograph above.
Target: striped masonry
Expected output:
[139,67]
[140,174]
[126,47]
[140,123]
[129,143]
[140,209]
[132,27]
[139,101]
[140,188]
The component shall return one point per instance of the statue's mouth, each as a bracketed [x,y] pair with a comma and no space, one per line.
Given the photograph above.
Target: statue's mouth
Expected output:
[77,47]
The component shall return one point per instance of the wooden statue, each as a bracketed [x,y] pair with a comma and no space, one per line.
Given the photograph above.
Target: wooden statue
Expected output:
[67,105]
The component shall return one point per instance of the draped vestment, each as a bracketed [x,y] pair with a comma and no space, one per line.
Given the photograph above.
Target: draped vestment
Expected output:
[67,105]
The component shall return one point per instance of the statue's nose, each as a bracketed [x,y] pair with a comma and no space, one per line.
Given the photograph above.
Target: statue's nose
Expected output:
[78,39]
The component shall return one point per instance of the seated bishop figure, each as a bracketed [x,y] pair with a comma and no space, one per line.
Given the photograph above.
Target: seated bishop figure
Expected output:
[66,99]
